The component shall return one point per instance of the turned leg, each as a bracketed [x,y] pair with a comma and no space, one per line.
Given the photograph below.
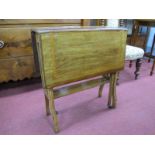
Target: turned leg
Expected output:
[138,65]
[152,69]
[149,60]
[153,43]
[52,110]
[47,106]
[112,91]
[130,63]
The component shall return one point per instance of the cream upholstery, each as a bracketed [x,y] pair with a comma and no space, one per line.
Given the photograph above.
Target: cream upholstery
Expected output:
[133,53]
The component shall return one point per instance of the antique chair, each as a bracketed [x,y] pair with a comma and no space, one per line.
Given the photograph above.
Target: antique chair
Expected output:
[140,39]
[71,54]
[152,56]
[132,53]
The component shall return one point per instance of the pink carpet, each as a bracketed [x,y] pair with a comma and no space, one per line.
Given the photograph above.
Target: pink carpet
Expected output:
[22,109]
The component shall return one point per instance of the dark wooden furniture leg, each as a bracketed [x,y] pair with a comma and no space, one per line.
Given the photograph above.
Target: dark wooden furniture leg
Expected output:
[152,49]
[130,63]
[152,69]
[138,65]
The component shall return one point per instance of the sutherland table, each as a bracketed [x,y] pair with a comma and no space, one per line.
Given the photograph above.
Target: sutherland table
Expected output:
[72,54]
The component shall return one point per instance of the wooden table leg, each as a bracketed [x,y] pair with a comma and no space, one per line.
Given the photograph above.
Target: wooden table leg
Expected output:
[138,65]
[112,91]
[47,106]
[105,77]
[153,43]
[117,82]
[52,110]
[100,90]
[152,69]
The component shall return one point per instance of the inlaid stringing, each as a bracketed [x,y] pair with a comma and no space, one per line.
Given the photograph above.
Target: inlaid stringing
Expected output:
[71,54]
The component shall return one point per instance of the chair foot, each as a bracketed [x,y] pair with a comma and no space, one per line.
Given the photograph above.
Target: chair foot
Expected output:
[152,69]
[138,65]
[149,60]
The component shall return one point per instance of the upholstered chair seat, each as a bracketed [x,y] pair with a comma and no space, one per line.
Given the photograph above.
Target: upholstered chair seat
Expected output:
[133,53]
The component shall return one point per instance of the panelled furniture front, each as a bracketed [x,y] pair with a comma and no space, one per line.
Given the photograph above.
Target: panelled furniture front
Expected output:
[16,56]
[72,54]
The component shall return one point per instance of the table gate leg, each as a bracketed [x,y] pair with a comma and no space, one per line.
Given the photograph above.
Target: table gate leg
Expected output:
[112,91]
[47,105]
[100,90]
[52,109]
[102,85]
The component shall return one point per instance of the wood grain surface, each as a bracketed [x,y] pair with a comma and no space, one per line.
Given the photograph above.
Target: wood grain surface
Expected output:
[16,68]
[75,55]
[70,55]
[16,35]
[17,42]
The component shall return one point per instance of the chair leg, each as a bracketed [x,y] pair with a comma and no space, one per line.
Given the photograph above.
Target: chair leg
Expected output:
[52,109]
[153,43]
[138,65]
[152,69]
[112,91]
[130,63]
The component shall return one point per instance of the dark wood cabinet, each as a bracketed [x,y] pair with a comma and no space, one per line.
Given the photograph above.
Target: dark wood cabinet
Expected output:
[16,54]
